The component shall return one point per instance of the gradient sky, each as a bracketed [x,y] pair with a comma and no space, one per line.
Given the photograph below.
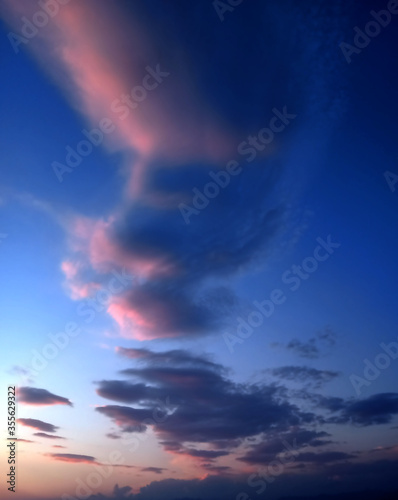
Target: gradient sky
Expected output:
[123,300]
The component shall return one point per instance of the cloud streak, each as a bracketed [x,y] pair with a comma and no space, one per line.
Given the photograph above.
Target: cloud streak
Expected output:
[40,397]
[47,436]
[37,424]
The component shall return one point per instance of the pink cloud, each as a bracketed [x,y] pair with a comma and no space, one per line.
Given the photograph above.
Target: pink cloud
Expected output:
[74,282]
[95,75]
[173,126]
[94,240]
[72,458]
[148,319]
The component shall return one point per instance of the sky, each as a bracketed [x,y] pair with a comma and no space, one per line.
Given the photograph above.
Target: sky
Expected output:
[198,243]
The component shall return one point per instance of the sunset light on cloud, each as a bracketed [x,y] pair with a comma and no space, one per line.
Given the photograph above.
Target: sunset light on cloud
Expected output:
[198,249]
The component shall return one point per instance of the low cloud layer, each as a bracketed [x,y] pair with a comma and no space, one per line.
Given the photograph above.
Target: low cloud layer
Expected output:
[197,411]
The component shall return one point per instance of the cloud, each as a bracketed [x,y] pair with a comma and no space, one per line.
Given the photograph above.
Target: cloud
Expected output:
[156,470]
[202,454]
[113,435]
[121,492]
[96,78]
[48,436]
[40,397]
[374,410]
[178,138]
[148,235]
[72,458]
[324,457]
[217,469]
[314,347]
[129,419]
[274,444]
[37,424]
[189,399]
[300,374]
[19,370]
[178,356]
[24,441]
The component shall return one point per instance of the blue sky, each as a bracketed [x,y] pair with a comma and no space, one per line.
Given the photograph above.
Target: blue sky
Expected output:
[187,89]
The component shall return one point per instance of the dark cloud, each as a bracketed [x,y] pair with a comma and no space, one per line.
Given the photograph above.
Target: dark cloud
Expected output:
[122,492]
[337,476]
[39,397]
[204,454]
[303,374]
[359,481]
[376,409]
[187,399]
[113,435]
[37,424]
[156,470]
[282,442]
[129,419]
[118,390]
[314,347]
[217,469]
[47,436]
[178,302]
[324,457]
[381,449]
[178,356]
[195,403]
